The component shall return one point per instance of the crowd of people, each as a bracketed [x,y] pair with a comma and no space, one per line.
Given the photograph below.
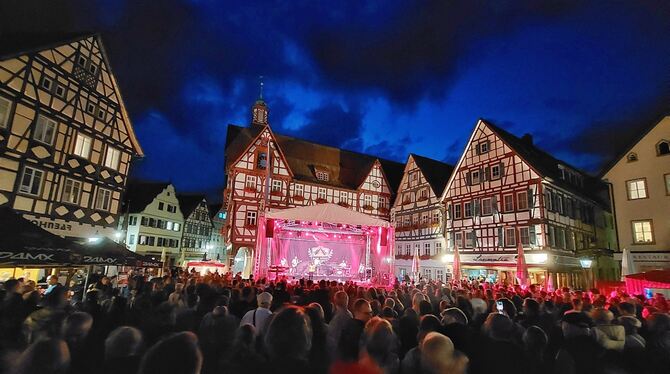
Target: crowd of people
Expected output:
[187,323]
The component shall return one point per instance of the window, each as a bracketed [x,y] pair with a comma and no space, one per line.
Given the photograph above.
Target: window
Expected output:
[144,221]
[408,250]
[475,177]
[322,175]
[667,184]
[31,181]
[5,105]
[251,182]
[82,146]
[510,237]
[321,194]
[262,160]
[487,208]
[469,239]
[103,199]
[383,203]
[161,205]
[508,203]
[168,225]
[90,108]
[458,239]
[424,194]
[483,147]
[276,185]
[524,235]
[367,200]
[92,69]
[44,130]
[522,200]
[131,239]
[457,211]
[551,236]
[132,220]
[424,219]
[643,232]
[250,219]
[60,91]
[151,240]
[663,148]
[438,247]
[299,190]
[176,226]
[637,189]
[426,249]
[143,240]
[101,114]
[632,157]
[467,207]
[81,61]
[46,83]
[560,237]
[495,171]
[71,191]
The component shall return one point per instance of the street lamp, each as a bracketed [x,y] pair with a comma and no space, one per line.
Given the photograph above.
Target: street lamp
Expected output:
[586,264]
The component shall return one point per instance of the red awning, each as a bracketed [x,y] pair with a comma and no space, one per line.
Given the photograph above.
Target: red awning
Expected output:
[636,283]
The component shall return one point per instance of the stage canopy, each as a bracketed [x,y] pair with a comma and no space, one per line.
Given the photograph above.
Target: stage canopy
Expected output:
[324,241]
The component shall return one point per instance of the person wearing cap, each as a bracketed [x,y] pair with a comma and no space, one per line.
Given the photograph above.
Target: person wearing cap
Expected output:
[259,316]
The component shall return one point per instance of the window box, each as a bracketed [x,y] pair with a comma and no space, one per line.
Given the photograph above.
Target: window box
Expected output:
[298,197]
[320,200]
[367,207]
[422,198]
[276,193]
[250,189]
[343,204]
[250,227]
[383,210]
[406,201]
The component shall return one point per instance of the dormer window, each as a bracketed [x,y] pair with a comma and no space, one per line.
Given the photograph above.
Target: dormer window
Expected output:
[322,175]
[663,148]
[632,157]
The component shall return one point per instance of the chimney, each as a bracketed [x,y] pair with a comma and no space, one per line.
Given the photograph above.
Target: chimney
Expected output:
[527,139]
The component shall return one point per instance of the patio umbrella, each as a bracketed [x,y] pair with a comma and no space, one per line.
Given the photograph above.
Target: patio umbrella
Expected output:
[415,265]
[456,266]
[521,267]
[23,243]
[105,251]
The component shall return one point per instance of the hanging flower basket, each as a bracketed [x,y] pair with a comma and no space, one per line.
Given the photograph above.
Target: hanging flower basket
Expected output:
[320,200]
[422,198]
[406,201]
[276,193]
[343,204]
[250,189]
[367,207]
[298,197]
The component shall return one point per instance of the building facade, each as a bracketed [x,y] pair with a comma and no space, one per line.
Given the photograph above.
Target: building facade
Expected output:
[640,183]
[197,232]
[66,142]
[152,222]
[218,239]
[505,190]
[419,218]
[264,169]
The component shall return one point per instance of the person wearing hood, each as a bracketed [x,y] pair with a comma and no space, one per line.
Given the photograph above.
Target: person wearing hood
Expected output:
[608,335]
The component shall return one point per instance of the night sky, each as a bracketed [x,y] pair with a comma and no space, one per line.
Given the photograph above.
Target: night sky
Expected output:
[381,77]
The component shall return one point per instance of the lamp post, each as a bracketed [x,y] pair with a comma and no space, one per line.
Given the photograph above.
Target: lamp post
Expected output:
[586,264]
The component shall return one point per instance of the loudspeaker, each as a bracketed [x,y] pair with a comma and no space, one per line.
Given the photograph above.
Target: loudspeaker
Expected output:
[269,228]
[384,238]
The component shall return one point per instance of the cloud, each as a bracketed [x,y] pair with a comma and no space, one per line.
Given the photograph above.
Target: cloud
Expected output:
[332,125]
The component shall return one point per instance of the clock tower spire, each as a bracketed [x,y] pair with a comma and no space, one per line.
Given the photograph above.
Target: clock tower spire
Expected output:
[259,111]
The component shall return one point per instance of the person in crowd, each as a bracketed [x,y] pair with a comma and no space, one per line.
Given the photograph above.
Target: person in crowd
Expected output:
[178,353]
[535,342]
[259,316]
[318,354]
[438,356]
[123,349]
[608,335]
[349,342]
[288,341]
[380,346]
[46,356]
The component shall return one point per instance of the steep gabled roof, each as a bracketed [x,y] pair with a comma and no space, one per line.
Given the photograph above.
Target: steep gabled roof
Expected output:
[436,173]
[346,169]
[14,45]
[632,144]
[188,203]
[140,194]
[547,166]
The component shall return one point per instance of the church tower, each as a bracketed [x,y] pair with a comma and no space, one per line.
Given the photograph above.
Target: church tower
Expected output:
[259,112]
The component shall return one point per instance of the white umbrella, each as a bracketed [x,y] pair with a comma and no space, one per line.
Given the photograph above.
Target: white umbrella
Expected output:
[627,264]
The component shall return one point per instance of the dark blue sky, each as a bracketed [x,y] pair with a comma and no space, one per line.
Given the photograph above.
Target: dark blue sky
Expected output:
[382,77]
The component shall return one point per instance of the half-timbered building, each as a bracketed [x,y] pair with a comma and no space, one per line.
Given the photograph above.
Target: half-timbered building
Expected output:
[264,169]
[196,236]
[152,221]
[66,141]
[504,189]
[418,214]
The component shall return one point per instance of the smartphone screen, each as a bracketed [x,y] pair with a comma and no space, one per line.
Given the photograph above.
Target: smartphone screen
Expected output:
[499,306]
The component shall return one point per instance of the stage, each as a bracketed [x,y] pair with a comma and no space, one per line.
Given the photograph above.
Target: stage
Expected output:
[324,241]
